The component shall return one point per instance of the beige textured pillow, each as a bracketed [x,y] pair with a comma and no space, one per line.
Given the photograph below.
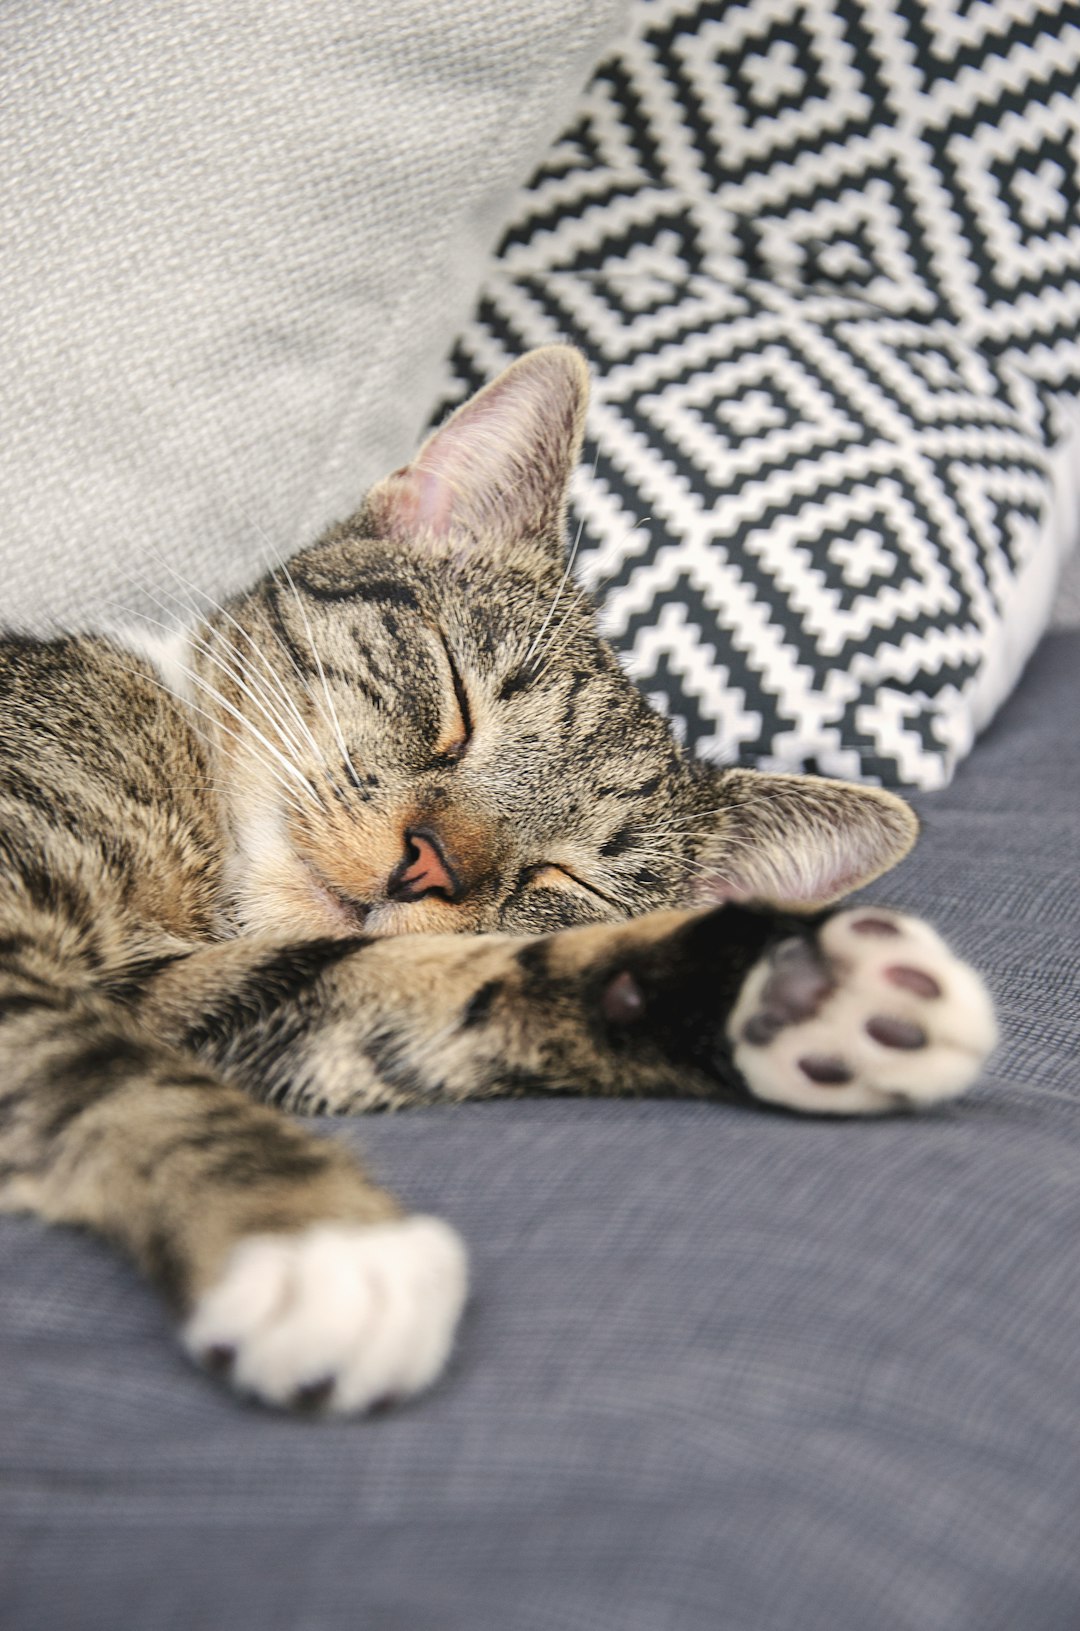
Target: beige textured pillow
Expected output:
[237,240]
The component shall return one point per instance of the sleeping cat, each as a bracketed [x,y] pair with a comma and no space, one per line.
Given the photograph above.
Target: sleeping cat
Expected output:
[394,828]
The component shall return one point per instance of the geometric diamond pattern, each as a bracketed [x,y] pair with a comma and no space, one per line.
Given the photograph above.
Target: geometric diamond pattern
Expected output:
[824,259]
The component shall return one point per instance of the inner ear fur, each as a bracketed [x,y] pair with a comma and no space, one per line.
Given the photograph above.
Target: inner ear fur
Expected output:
[802,841]
[498,470]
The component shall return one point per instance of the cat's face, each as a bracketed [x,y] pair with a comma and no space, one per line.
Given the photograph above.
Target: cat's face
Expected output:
[473,769]
[424,733]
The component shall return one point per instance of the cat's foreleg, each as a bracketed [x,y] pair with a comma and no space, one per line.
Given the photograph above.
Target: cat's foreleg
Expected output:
[850,1012]
[291,1273]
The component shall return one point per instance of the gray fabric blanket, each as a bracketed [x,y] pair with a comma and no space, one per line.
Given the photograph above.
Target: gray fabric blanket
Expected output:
[721,1369]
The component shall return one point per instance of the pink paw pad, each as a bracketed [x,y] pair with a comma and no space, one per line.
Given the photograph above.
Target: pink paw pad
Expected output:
[874,1014]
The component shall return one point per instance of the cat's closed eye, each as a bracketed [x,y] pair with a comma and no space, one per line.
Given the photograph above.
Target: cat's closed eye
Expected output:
[457,729]
[552,875]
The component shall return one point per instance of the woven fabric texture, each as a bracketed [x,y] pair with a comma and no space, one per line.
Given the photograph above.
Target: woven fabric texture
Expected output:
[237,240]
[825,259]
[720,1369]
[1067,604]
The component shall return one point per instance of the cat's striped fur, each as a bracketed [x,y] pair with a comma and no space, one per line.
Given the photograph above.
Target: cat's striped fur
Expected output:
[393,827]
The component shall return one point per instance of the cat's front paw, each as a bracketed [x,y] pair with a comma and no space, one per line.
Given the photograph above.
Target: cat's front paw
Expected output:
[335,1317]
[873,1014]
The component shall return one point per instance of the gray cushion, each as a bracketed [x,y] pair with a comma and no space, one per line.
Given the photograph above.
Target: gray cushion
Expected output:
[237,239]
[721,1368]
[1067,604]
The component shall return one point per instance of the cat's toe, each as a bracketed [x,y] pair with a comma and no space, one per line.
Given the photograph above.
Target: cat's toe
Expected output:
[336,1317]
[874,1014]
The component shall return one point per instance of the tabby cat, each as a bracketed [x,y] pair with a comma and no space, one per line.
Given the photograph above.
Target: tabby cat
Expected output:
[394,828]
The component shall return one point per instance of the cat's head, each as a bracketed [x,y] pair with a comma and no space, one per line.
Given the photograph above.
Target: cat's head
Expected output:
[422,730]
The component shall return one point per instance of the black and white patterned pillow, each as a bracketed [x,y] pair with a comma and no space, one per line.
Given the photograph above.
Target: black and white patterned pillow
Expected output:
[824,256]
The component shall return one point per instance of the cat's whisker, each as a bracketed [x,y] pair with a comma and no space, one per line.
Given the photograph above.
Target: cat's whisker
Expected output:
[301,678]
[292,771]
[558,595]
[699,868]
[190,707]
[609,556]
[272,563]
[732,842]
[242,719]
[134,616]
[202,616]
[550,651]
[271,671]
[200,613]
[273,718]
[717,809]
[246,677]
[537,591]
[276,720]
[667,856]
[189,606]
[336,724]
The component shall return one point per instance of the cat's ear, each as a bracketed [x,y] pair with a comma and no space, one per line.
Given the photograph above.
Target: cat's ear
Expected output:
[798,840]
[497,471]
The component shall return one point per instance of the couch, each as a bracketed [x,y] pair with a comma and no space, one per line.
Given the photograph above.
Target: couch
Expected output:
[719,1369]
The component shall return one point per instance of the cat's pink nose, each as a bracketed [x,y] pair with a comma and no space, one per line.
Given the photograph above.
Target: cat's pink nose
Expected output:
[425,869]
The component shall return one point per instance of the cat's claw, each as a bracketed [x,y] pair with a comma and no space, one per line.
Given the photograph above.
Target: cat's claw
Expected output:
[875,1014]
[335,1318]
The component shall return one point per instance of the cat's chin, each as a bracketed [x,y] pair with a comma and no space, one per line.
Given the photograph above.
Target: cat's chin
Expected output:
[315,909]
[338,913]
[385,920]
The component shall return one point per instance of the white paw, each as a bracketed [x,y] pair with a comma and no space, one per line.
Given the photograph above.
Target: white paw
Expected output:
[338,1317]
[883,1016]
